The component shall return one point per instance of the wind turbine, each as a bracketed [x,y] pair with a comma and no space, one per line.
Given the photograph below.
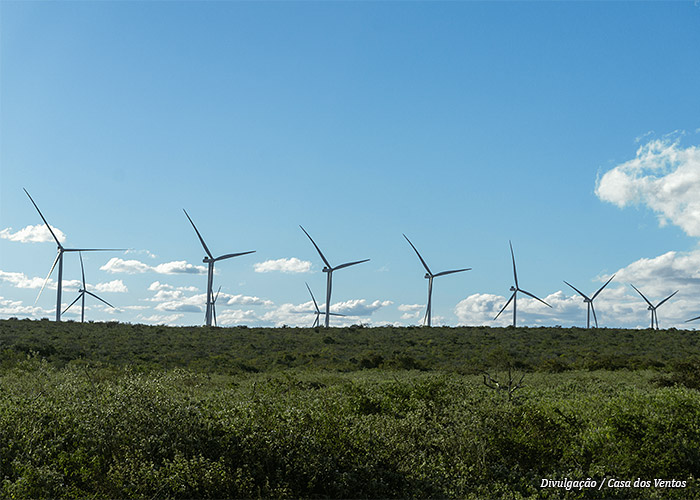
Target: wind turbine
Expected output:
[589,301]
[652,308]
[213,305]
[82,292]
[329,280]
[209,259]
[318,311]
[59,260]
[429,276]
[515,289]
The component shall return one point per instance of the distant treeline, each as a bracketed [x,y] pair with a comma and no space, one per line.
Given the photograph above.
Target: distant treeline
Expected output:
[243,349]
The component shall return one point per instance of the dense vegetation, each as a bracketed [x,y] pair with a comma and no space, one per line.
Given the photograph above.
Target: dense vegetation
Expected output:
[108,411]
[242,349]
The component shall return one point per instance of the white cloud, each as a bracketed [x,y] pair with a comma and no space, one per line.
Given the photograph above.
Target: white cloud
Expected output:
[115,286]
[244,300]
[157,285]
[117,265]
[161,319]
[359,307]
[291,265]
[238,317]
[663,274]
[411,307]
[15,308]
[482,308]
[33,234]
[179,267]
[663,176]
[178,306]
[20,280]
[411,311]
[175,300]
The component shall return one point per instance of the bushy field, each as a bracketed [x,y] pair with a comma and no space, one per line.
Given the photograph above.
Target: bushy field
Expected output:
[241,349]
[131,411]
[108,432]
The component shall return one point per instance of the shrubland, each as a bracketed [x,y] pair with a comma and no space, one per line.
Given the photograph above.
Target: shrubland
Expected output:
[193,422]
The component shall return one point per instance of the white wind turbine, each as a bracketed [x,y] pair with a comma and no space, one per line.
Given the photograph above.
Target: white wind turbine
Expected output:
[589,301]
[329,270]
[429,276]
[209,259]
[652,308]
[317,310]
[82,292]
[515,289]
[59,259]
[213,305]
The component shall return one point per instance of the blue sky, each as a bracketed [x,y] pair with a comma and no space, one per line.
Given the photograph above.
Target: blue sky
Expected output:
[571,129]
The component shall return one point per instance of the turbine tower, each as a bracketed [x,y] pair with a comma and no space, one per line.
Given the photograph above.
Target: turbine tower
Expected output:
[429,276]
[515,289]
[59,259]
[329,279]
[82,292]
[589,301]
[318,311]
[209,259]
[652,308]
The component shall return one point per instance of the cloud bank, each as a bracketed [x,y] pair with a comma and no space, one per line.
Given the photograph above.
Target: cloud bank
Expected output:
[117,265]
[663,176]
[291,265]
[33,234]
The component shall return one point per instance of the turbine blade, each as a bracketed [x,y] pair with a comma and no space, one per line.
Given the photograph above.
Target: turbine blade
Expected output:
[318,311]
[674,293]
[594,316]
[504,307]
[58,256]
[418,254]
[693,319]
[206,249]
[579,291]
[99,298]
[323,257]
[217,295]
[534,297]
[348,264]
[515,273]
[43,218]
[337,314]
[76,300]
[94,249]
[601,288]
[452,272]
[640,293]
[82,269]
[229,255]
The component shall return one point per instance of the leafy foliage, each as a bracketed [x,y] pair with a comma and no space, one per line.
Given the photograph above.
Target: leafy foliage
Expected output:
[244,350]
[101,432]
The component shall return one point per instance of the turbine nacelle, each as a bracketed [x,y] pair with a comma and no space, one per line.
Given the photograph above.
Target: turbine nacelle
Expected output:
[326,270]
[513,289]
[427,276]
